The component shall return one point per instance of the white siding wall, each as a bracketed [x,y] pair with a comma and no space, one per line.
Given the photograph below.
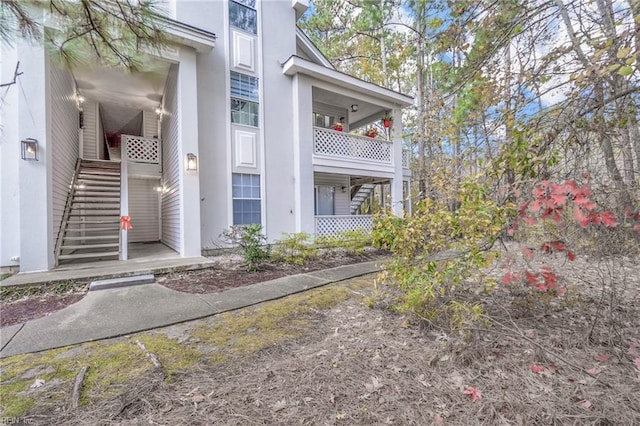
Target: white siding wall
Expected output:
[342,199]
[171,164]
[144,206]
[64,135]
[90,131]
[149,124]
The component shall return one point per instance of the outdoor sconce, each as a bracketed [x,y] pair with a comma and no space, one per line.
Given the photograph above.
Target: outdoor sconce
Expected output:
[29,151]
[192,162]
[344,189]
[354,108]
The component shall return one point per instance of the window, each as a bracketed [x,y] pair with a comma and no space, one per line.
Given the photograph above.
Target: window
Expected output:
[325,200]
[244,90]
[246,199]
[244,86]
[323,120]
[242,14]
[244,112]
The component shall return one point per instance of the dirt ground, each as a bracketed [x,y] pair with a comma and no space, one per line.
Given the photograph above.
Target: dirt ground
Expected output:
[228,273]
[340,355]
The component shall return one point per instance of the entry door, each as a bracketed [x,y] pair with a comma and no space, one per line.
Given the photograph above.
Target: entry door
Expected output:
[325,200]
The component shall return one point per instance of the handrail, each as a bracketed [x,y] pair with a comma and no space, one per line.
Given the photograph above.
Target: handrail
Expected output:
[67,212]
[124,198]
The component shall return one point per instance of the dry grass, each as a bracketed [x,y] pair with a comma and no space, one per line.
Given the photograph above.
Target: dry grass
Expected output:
[329,359]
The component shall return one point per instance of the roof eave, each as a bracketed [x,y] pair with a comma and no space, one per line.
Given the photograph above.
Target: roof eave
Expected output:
[297,65]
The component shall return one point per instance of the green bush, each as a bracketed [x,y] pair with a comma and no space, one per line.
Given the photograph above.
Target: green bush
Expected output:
[295,248]
[353,242]
[252,244]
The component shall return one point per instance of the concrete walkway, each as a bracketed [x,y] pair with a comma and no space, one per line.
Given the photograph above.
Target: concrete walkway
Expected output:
[112,312]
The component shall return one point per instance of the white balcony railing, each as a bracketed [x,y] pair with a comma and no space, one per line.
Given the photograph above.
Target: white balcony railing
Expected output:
[406,158]
[141,150]
[345,145]
[330,225]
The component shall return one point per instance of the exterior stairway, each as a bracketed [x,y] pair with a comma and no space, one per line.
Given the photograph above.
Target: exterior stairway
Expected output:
[362,194]
[90,227]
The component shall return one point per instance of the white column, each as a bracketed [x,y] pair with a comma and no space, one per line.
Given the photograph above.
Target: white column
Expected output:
[302,154]
[397,206]
[187,92]
[35,177]
[9,163]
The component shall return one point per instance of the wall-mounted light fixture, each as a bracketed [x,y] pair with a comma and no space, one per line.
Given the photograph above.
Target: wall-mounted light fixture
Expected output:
[159,111]
[354,108]
[192,162]
[344,189]
[29,151]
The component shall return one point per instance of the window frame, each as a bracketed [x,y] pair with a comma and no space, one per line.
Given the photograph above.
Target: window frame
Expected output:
[243,4]
[255,187]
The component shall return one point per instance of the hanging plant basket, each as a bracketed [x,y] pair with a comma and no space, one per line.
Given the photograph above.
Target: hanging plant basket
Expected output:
[387,120]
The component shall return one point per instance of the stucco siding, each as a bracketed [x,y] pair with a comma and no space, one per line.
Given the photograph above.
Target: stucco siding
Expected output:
[171,164]
[64,135]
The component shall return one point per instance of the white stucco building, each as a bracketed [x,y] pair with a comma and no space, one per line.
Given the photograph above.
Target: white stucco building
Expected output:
[232,124]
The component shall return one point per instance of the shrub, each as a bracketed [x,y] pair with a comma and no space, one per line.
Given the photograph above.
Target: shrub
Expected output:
[295,248]
[353,241]
[252,244]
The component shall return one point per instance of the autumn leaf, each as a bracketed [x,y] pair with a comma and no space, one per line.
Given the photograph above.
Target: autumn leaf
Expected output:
[586,404]
[38,383]
[636,362]
[538,369]
[580,217]
[608,219]
[593,371]
[603,357]
[527,253]
[571,256]
[473,392]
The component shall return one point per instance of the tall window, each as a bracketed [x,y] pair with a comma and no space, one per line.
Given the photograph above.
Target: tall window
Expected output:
[242,14]
[246,199]
[244,99]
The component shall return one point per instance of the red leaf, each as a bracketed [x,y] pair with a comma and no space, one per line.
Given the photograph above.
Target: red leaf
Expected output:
[603,357]
[558,245]
[571,256]
[593,371]
[636,362]
[531,277]
[562,291]
[636,228]
[580,217]
[507,278]
[511,231]
[538,369]
[545,248]
[536,206]
[627,212]
[522,209]
[582,201]
[585,404]
[608,219]
[529,220]
[474,393]
[633,348]
[527,253]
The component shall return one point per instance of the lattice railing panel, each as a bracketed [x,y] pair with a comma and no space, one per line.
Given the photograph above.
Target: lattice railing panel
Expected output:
[142,150]
[330,225]
[406,157]
[340,144]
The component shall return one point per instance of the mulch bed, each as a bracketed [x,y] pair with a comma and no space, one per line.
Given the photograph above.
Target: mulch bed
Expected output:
[227,274]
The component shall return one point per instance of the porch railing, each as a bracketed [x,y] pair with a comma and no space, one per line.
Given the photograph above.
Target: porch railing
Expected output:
[141,150]
[345,145]
[406,158]
[330,225]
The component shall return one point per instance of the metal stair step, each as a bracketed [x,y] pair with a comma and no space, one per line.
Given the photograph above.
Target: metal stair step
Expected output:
[87,255]
[92,237]
[94,206]
[93,182]
[96,221]
[110,194]
[91,230]
[93,188]
[98,178]
[89,246]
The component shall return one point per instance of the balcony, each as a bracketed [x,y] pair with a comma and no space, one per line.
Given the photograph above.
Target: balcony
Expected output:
[345,146]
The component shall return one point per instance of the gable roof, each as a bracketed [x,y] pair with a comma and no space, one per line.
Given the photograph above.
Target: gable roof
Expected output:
[304,43]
